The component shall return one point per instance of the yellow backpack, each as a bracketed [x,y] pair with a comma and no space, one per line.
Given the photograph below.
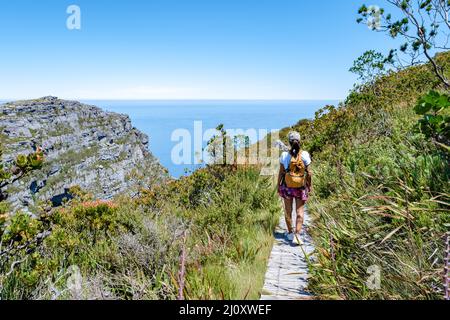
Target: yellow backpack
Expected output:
[295,176]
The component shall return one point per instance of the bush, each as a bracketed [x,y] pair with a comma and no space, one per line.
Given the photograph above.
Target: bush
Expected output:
[435,123]
[130,249]
[381,189]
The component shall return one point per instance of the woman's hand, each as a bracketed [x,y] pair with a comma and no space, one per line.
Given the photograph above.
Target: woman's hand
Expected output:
[281,174]
[279,190]
[309,185]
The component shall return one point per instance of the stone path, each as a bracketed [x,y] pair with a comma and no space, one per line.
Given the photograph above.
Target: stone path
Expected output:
[287,272]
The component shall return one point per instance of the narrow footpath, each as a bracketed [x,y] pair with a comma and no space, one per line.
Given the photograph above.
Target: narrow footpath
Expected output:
[287,272]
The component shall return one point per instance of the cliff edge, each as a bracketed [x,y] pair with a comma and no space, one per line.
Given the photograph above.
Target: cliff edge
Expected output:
[101,152]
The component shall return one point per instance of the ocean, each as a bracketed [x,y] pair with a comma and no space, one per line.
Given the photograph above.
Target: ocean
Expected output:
[160,119]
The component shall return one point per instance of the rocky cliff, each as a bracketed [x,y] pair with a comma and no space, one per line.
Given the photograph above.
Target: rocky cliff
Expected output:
[84,146]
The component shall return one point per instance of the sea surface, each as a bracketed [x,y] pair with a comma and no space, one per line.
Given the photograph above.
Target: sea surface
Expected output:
[159,120]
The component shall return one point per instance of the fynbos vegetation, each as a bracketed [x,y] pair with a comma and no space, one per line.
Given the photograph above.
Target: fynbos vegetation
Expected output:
[381,188]
[380,204]
[217,224]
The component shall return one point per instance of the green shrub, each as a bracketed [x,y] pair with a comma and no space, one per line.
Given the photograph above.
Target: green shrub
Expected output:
[130,249]
[381,188]
[436,117]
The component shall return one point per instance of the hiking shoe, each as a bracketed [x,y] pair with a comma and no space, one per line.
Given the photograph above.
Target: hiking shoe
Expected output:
[297,240]
[289,236]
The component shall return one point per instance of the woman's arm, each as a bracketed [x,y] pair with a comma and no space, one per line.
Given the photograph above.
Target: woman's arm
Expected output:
[309,177]
[281,174]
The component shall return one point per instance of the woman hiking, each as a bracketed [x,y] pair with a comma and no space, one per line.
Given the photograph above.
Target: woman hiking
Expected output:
[294,182]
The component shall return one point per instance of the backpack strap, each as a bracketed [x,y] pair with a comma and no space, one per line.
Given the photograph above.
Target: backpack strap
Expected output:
[289,163]
[290,159]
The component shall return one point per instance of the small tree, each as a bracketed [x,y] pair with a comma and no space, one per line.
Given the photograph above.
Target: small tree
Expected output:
[219,146]
[435,123]
[22,165]
[423,25]
[10,174]
[369,66]
[22,231]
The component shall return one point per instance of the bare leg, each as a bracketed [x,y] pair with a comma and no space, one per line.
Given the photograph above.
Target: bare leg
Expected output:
[300,208]
[288,206]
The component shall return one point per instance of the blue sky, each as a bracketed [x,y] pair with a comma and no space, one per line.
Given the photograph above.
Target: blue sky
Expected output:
[182,49]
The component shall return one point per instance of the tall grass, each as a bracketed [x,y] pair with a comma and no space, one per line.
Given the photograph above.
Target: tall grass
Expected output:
[231,238]
[132,248]
[382,196]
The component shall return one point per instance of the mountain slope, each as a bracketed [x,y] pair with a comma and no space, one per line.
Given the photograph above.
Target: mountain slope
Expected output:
[84,146]
[381,193]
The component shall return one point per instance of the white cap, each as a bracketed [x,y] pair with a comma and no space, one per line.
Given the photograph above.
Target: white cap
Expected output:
[293,135]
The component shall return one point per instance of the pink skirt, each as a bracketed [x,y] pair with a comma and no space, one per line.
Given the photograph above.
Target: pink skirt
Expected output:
[293,193]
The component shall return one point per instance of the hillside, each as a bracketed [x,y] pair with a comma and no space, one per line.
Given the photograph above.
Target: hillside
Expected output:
[380,204]
[84,146]
[381,191]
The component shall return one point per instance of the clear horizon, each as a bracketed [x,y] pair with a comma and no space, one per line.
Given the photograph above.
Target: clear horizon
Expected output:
[178,100]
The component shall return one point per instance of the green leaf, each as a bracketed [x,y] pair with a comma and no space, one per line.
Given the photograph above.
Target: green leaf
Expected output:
[442,103]
[22,161]
[422,107]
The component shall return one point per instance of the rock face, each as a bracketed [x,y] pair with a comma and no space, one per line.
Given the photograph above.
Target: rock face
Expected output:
[84,146]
